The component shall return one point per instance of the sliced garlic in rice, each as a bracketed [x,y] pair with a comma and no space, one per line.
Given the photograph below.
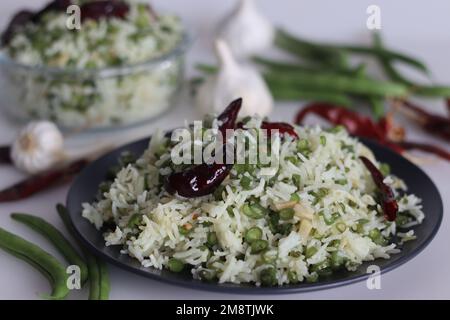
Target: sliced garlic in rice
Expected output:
[303,211]
[284,205]
[305,229]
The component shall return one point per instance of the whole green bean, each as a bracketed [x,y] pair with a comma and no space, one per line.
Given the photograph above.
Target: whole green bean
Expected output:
[56,238]
[295,67]
[392,55]
[94,277]
[393,74]
[289,94]
[337,83]
[42,260]
[99,285]
[310,51]
[104,280]
[377,104]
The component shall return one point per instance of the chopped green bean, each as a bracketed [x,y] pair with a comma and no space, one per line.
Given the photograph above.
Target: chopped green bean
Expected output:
[254,210]
[257,246]
[211,239]
[175,265]
[246,182]
[286,214]
[268,277]
[310,251]
[253,234]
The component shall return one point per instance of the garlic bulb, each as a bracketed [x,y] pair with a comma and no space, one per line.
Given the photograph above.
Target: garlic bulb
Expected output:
[246,31]
[37,147]
[234,81]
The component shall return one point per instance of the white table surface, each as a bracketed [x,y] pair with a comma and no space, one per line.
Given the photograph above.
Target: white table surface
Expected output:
[415,26]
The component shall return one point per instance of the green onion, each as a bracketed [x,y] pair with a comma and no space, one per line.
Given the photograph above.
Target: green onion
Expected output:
[323,140]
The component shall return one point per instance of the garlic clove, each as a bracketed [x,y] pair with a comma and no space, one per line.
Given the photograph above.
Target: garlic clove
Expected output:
[232,81]
[37,147]
[246,30]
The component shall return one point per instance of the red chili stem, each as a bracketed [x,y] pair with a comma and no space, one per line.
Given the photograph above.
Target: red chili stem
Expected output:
[390,206]
[42,181]
[408,145]
[434,124]
[5,155]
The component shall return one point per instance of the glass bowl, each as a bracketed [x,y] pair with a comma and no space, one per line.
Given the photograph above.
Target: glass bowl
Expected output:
[79,100]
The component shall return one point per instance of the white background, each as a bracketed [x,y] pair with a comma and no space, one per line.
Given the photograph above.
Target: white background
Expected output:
[419,27]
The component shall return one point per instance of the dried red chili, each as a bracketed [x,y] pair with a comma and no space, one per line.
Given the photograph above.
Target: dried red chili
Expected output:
[384,132]
[408,145]
[104,9]
[282,127]
[41,181]
[434,124]
[390,205]
[5,155]
[203,179]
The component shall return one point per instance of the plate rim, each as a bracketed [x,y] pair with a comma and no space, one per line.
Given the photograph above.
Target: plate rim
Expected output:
[252,289]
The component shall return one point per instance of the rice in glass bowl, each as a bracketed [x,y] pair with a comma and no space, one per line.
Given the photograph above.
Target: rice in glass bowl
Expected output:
[122,66]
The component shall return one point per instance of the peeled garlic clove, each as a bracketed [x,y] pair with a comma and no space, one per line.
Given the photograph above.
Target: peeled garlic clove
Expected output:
[37,147]
[246,30]
[233,81]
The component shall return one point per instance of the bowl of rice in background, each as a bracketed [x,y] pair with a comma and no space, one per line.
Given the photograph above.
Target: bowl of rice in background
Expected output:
[112,72]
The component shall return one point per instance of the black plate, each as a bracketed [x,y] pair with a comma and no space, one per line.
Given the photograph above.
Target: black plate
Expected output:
[84,189]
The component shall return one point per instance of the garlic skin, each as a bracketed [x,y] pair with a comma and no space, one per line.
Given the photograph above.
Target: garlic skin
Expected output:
[233,81]
[37,147]
[246,30]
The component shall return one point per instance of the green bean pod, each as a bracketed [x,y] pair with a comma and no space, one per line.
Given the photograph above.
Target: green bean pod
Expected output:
[104,280]
[393,74]
[297,67]
[377,104]
[99,285]
[295,42]
[337,83]
[310,51]
[289,94]
[56,238]
[44,262]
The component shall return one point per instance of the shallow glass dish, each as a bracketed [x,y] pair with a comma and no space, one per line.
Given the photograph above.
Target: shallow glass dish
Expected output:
[79,100]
